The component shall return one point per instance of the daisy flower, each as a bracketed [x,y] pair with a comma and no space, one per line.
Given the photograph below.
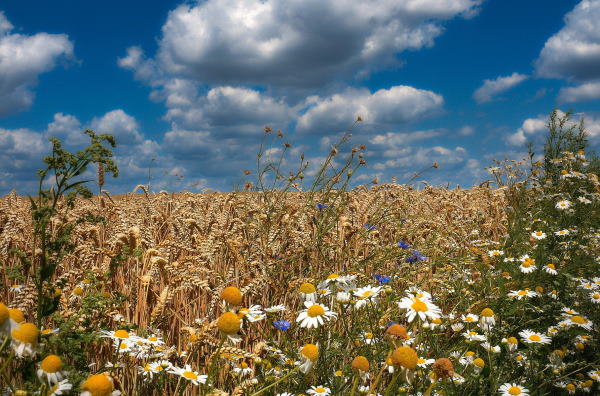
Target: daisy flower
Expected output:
[550,269]
[309,354]
[539,235]
[531,337]
[243,369]
[251,312]
[495,253]
[275,308]
[474,336]
[595,297]
[562,232]
[314,315]
[25,339]
[424,308]
[578,320]
[308,291]
[99,384]
[63,387]
[487,320]
[509,389]
[117,335]
[51,369]
[335,280]
[189,374]
[564,204]
[527,265]
[16,288]
[319,391]
[521,294]
[368,338]
[469,318]
[365,295]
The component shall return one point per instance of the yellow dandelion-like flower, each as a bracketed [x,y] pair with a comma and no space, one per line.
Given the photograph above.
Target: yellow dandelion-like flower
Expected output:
[99,385]
[406,357]
[229,323]
[360,363]
[232,295]
[25,339]
[51,369]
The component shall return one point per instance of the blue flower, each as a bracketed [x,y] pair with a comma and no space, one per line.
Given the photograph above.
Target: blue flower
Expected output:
[391,323]
[381,278]
[370,227]
[416,256]
[282,325]
[321,206]
[403,245]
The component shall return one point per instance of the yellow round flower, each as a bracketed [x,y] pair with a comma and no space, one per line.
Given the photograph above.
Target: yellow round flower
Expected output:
[397,331]
[98,385]
[310,351]
[307,288]
[360,363]
[51,364]
[487,312]
[229,323]
[16,315]
[232,295]
[4,313]
[479,362]
[26,333]
[406,357]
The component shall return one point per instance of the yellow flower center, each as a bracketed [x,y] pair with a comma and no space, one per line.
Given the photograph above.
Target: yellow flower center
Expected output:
[333,276]
[487,312]
[98,385]
[310,351]
[368,336]
[4,314]
[51,364]
[153,339]
[123,345]
[522,292]
[406,357]
[307,288]
[469,319]
[479,362]
[78,291]
[419,306]
[570,387]
[16,315]
[26,333]
[514,390]
[512,340]
[190,375]
[315,310]
[244,365]
[121,334]
[232,295]
[360,363]
[437,321]
[551,266]
[229,323]
[578,319]
[320,389]
[367,294]
[535,338]
[596,295]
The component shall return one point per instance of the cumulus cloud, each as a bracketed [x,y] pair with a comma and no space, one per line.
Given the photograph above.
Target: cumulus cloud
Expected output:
[22,59]
[121,125]
[574,52]
[580,93]
[230,110]
[491,88]
[383,108]
[293,42]
[535,128]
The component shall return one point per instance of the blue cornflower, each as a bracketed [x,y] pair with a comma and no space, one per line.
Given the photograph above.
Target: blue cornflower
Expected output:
[381,278]
[370,227]
[282,325]
[403,245]
[321,206]
[416,256]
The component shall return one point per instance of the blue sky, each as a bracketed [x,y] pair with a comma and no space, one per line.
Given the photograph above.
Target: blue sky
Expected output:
[192,84]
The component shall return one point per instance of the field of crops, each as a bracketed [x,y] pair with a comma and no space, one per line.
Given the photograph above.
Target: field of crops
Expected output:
[380,290]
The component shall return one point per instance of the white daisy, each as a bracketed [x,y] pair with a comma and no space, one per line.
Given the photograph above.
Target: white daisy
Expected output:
[276,308]
[319,391]
[521,294]
[314,315]
[63,387]
[564,204]
[539,235]
[193,376]
[531,337]
[509,389]
[495,253]
[550,269]
[562,232]
[424,308]
[366,295]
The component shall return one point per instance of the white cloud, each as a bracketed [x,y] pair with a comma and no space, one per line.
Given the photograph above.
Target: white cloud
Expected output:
[574,52]
[535,128]
[293,42]
[121,125]
[230,110]
[580,93]
[491,88]
[22,59]
[386,107]
[466,130]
